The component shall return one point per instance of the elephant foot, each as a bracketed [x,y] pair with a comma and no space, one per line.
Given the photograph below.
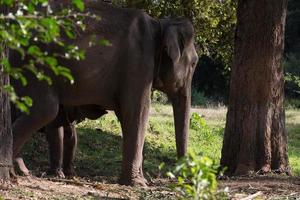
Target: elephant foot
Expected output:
[57,172]
[135,181]
[24,170]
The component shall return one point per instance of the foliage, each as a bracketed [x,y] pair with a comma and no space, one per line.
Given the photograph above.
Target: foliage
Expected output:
[197,122]
[158,97]
[198,98]
[212,79]
[292,39]
[203,135]
[196,177]
[292,74]
[292,50]
[29,24]
[292,103]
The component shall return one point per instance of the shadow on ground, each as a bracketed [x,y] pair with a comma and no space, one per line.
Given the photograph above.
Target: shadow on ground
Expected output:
[98,155]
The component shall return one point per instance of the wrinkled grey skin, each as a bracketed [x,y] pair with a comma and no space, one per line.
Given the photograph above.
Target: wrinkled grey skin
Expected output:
[145,53]
[61,136]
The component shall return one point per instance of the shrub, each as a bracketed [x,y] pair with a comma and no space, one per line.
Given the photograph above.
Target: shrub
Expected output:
[197,122]
[292,103]
[159,97]
[196,177]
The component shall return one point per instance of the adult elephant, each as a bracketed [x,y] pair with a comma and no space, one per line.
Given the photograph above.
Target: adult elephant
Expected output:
[145,53]
[61,136]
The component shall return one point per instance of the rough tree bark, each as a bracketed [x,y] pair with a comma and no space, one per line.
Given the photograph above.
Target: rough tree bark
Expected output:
[6,139]
[255,137]
[5,128]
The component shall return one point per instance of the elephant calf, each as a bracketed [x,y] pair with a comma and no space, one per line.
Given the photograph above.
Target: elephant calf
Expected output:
[62,138]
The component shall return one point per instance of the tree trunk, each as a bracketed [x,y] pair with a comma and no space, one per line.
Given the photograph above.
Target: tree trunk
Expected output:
[255,137]
[6,139]
[5,127]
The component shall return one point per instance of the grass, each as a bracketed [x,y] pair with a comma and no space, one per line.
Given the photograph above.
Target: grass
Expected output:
[293,128]
[99,150]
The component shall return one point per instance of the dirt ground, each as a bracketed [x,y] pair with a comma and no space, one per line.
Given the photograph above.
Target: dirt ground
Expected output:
[263,187]
[241,188]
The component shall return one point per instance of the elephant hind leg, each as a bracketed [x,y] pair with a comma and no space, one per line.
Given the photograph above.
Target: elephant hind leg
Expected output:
[70,145]
[43,112]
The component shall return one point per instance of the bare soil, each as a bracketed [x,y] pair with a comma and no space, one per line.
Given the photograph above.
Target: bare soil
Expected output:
[263,187]
[244,188]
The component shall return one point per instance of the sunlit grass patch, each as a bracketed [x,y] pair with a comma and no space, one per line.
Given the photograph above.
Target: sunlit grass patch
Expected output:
[100,142]
[293,129]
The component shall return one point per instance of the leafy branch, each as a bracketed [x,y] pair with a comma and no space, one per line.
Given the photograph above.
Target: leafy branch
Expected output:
[29,24]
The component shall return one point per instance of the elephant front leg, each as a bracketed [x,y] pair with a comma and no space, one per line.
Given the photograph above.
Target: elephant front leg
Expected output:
[133,121]
[55,137]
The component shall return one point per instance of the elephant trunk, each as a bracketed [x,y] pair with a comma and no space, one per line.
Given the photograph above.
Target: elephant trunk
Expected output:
[181,108]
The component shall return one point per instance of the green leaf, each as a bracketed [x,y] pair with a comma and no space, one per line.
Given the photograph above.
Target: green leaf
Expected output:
[6,65]
[78,4]
[105,42]
[51,61]
[34,50]
[27,101]
[21,106]
[7,2]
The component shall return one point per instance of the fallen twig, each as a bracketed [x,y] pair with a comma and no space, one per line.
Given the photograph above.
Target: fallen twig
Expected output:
[252,196]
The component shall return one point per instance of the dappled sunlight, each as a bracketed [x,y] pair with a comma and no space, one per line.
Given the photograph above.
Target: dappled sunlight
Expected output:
[98,157]
[99,150]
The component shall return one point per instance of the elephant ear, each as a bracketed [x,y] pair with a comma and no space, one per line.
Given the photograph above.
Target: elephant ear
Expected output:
[171,39]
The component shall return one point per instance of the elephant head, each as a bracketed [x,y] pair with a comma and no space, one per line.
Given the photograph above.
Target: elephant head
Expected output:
[175,68]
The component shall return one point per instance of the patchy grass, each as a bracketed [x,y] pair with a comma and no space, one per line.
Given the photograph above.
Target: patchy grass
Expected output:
[293,129]
[100,142]
[98,157]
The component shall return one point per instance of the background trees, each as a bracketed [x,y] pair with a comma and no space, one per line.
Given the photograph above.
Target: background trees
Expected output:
[292,52]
